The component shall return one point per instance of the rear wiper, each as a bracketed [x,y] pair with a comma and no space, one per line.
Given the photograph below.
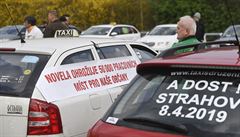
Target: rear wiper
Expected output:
[8,94]
[7,91]
[149,122]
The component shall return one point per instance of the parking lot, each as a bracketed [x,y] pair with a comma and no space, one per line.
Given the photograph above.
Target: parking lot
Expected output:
[119,68]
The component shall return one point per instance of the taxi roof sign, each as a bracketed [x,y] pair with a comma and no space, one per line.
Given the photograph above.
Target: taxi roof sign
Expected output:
[66,33]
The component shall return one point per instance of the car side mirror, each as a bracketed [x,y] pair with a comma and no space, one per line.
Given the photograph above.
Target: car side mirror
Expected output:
[114,33]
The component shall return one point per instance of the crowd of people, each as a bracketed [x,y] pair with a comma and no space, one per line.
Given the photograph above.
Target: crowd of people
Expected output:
[190,30]
[54,23]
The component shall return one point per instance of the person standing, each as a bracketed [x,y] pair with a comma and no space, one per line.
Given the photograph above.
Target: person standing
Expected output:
[200,26]
[53,24]
[186,29]
[65,19]
[32,31]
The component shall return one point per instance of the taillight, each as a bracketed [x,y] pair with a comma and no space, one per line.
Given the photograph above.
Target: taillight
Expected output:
[43,118]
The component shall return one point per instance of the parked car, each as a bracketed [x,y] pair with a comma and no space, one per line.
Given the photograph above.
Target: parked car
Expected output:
[193,94]
[161,37]
[229,34]
[11,33]
[119,31]
[59,87]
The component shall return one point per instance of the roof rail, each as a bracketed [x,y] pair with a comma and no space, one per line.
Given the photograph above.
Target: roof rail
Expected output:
[196,47]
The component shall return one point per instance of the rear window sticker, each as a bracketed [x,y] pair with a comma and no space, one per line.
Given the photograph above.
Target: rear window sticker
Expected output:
[30,59]
[204,73]
[4,79]
[21,78]
[27,72]
[210,100]
[112,120]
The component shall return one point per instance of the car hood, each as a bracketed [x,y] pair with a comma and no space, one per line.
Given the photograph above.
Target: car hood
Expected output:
[95,36]
[152,38]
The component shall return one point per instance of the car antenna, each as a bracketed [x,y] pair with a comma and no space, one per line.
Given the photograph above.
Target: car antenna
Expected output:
[234,29]
[22,40]
[97,48]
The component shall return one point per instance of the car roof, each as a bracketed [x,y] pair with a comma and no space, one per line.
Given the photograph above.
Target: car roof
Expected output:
[112,25]
[227,57]
[51,45]
[167,25]
[12,26]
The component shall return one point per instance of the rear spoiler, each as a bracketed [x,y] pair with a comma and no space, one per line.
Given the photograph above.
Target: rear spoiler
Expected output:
[195,47]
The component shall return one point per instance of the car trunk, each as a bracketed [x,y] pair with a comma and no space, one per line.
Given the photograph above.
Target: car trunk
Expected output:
[13,116]
[18,76]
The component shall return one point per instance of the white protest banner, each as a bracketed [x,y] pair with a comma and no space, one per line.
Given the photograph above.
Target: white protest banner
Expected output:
[65,81]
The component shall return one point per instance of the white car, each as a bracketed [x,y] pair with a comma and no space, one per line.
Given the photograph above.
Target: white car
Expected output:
[119,31]
[161,37]
[59,87]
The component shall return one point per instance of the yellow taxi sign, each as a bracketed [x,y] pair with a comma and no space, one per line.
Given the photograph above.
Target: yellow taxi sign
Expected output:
[66,33]
[113,23]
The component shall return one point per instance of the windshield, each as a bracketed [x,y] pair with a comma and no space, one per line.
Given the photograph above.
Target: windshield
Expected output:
[230,32]
[204,101]
[19,72]
[11,33]
[97,31]
[163,31]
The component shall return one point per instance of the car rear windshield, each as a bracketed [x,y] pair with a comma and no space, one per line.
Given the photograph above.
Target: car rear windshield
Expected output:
[204,101]
[19,73]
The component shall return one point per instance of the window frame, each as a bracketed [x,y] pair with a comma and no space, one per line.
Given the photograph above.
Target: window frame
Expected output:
[73,51]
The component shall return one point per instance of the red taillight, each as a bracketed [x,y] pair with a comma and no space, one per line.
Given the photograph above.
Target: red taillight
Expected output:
[43,118]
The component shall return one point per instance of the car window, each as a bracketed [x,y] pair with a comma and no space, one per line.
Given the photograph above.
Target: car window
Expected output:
[126,30]
[118,30]
[113,51]
[81,56]
[97,31]
[163,31]
[205,100]
[12,31]
[19,73]
[143,53]
[133,30]
[230,32]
